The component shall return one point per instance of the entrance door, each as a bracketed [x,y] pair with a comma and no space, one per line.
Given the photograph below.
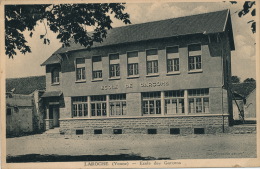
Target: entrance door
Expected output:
[55,115]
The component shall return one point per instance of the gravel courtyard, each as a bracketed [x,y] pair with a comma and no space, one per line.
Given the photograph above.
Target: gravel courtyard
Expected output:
[44,147]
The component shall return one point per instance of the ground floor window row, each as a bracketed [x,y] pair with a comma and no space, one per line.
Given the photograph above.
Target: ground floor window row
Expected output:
[174,131]
[153,103]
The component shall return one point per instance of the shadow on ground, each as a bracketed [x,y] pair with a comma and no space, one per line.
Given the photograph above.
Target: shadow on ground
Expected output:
[22,134]
[65,158]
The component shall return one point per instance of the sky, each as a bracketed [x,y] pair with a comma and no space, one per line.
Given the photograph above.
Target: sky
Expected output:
[243,58]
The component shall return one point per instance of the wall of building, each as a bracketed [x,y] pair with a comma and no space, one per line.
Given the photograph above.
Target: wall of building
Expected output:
[250,106]
[134,104]
[20,121]
[218,103]
[227,60]
[49,85]
[21,118]
[65,111]
[211,124]
[38,111]
[210,77]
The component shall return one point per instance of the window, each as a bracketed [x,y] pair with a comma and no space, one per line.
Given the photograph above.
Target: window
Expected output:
[117,104]
[98,106]
[198,100]
[8,111]
[132,63]
[151,103]
[174,102]
[80,69]
[174,131]
[152,61]
[79,132]
[114,66]
[151,131]
[194,57]
[173,64]
[55,76]
[97,131]
[199,131]
[79,106]
[117,131]
[97,67]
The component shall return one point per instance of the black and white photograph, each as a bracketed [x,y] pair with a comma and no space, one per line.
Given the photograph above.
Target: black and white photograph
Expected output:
[132,84]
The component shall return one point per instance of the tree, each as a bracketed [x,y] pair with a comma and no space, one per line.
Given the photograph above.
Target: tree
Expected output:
[235,79]
[249,80]
[69,21]
[248,7]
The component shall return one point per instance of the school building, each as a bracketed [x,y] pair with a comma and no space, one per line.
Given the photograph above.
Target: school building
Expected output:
[166,77]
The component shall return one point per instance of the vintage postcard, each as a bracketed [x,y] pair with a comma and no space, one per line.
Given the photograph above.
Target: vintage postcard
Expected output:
[129,84]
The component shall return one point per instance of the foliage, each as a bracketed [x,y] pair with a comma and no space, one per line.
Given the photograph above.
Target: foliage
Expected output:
[249,80]
[248,7]
[69,21]
[235,79]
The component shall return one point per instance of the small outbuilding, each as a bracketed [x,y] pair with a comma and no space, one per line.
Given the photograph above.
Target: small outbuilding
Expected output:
[244,101]
[24,111]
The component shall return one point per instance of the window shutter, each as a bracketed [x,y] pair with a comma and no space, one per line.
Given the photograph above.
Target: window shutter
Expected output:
[113,56]
[132,54]
[152,52]
[80,62]
[114,61]
[133,60]
[173,49]
[172,55]
[152,57]
[132,57]
[172,52]
[194,50]
[97,66]
[194,53]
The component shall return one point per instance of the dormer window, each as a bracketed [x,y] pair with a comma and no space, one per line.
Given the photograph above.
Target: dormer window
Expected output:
[80,69]
[55,76]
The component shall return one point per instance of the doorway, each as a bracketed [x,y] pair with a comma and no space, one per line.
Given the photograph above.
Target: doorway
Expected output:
[55,115]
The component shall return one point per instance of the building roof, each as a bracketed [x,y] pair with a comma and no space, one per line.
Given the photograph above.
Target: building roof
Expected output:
[207,23]
[52,60]
[25,85]
[19,100]
[52,94]
[243,89]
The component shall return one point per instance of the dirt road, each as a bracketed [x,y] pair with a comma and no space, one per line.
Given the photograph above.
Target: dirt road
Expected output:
[134,146]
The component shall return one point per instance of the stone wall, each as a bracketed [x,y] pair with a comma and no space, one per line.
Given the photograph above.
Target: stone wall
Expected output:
[186,124]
